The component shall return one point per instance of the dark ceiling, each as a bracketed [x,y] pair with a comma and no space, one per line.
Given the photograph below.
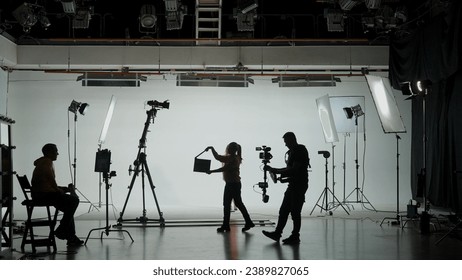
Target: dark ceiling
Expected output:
[275,22]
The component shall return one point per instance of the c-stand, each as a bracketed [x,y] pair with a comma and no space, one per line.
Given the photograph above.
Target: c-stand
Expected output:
[106,176]
[142,166]
[324,194]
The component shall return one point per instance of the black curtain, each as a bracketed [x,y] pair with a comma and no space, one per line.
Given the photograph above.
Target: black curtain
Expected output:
[432,51]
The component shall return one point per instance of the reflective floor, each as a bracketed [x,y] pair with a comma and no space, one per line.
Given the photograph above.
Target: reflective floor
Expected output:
[358,236]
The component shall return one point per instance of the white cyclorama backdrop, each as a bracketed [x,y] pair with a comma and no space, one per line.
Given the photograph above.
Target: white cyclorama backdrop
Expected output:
[198,117]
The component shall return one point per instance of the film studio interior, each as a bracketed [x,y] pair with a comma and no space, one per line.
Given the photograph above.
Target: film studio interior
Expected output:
[143,102]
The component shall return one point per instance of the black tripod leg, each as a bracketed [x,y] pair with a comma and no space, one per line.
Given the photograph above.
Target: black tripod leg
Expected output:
[130,187]
[148,173]
[317,202]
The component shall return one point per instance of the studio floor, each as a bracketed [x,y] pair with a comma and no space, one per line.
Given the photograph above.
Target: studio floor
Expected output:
[192,235]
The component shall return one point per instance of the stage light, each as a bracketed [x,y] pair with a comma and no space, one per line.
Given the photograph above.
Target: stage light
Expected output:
[347,5]
[44,21]
[416,88]
[246,22]
[69,6]
[174,14]
[334,19]
[384,100]
[26,16]
[78,107]
[148,17]
[246,6]
[373,4]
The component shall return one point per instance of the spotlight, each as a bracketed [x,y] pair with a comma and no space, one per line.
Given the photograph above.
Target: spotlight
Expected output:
[353,111]
[148,17]
[416,88]
[26,16]
[77,106]
[44,21]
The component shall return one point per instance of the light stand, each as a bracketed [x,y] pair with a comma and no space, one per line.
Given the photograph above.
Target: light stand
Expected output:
[81,108]
[141,166]
[357,112]
[398,217]
[102,166]
[324,195]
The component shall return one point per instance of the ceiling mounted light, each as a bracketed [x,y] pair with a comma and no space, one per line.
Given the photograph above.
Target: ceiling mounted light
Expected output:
[335,20]
[69,6]
[111,79]
[174,14]
[78,107]
[82,19]
[44,21]
[148,17]
[26,16]
[347,5]
[213,80]
[307,81]
[373,4]
[246,22]
[246,6]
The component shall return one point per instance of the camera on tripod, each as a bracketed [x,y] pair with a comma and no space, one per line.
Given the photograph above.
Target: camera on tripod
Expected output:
[159,105]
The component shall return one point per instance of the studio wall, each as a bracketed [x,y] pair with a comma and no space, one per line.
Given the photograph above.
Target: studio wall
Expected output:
[199,117]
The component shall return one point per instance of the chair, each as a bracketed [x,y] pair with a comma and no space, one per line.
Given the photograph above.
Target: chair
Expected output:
[31,223]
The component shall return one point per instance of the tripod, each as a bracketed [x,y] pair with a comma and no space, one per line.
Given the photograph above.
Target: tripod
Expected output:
[107,228]
[326,191]
[398,217]
[142,166]
[357,189]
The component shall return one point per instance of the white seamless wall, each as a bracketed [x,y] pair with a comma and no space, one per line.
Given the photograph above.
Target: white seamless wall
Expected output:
[199,117]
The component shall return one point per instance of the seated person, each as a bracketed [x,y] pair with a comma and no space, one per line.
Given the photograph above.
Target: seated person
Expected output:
[45,190]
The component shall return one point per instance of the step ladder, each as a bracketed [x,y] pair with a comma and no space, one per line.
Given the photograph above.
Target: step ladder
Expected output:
[208,22]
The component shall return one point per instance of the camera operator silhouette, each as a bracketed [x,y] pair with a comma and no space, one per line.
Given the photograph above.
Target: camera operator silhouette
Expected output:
[230,169]
[296,172]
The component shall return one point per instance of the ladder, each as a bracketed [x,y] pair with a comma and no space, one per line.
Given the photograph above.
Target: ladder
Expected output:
[208,22]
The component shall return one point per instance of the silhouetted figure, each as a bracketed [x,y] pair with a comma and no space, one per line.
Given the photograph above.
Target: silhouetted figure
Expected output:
[296,173]
[45,190]
[231,162]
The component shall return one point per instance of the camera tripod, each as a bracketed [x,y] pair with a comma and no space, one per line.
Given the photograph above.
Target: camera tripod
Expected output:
[107,228]
[324,195]
[141,166]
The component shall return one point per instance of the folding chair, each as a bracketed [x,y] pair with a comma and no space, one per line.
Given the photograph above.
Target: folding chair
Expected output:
[31,223]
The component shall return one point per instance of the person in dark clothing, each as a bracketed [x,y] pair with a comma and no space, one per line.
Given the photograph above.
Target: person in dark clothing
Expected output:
[45,190]
[230,169]
[296,173]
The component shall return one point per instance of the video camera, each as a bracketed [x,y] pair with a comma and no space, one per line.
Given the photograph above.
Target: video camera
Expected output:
[265,155]
[157,104]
